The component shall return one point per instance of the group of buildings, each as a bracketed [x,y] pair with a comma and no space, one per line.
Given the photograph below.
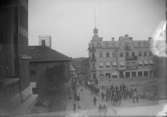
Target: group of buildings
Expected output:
[112,62]
[123,61]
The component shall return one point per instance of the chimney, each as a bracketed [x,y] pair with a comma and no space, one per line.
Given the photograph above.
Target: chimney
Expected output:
[43,43]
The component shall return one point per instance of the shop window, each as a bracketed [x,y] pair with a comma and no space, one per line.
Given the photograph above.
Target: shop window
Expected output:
[145,73]
[127,74]
[133,74]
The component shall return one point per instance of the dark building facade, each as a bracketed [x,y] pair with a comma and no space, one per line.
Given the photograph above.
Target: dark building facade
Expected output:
[49,69]
[13,43]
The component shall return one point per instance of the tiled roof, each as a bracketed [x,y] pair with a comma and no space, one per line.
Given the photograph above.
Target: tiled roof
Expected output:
[39,53]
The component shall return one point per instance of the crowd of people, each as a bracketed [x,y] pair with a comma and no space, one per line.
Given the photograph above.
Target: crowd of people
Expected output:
[115,94]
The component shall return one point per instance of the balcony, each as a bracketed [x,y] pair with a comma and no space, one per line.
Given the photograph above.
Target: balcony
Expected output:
[131,58]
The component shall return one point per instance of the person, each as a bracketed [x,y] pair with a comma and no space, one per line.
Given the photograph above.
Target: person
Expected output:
[94,101]
[102,95]
[74,107]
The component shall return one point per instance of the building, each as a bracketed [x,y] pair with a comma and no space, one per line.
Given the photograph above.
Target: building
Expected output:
[82,67]
[123,61]
[50,70]
[13,45]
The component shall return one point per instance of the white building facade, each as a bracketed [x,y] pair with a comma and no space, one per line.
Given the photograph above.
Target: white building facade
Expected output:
[123,61]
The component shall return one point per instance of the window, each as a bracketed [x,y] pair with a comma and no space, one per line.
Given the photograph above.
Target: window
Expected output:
[33,72]
[145,73]
[151,73]
[108,75]
[127,74]
[114,76]
[140,54]
[107,54]
[145,53]
[121,54]
[133,53]
[150,53]
[94,75]
[140,74]
[101,74]
[133,74]
[121,74]
[107,64]
[127,54]
[101,65]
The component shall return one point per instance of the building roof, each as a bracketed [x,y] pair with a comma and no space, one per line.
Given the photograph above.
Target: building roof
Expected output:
[45,54]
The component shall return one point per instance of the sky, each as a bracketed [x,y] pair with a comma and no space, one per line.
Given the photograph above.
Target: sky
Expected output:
[71,22]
